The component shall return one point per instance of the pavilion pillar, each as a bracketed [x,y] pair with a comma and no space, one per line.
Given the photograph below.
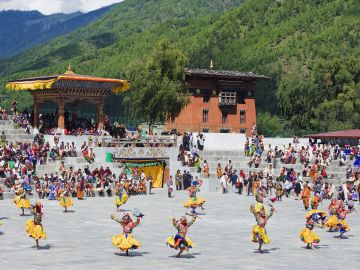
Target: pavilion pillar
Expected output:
[101,114]
[61,117]
[36,113]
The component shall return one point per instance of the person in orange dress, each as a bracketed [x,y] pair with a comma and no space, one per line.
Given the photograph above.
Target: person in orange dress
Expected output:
[219,171]
[142,187]
[206,169]
[305,196]
[314,171]
[315,201]
[255,185]
[80,189]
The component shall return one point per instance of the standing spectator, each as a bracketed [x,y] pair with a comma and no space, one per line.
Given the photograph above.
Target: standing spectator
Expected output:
[186,180]
[250,184]
[170,186]
[287,187]
[13,107]
[224,182]
[201,141]
[206,169]
[107,123]
[297,189]
[234,179]
[178,180]
[150,180]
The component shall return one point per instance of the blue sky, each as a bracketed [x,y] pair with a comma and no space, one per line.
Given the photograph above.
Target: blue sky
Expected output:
[56,6]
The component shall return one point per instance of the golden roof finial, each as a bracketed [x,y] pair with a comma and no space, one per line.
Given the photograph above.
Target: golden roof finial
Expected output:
[69,70]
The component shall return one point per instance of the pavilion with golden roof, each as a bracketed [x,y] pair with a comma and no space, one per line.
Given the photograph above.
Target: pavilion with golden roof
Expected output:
[69,88]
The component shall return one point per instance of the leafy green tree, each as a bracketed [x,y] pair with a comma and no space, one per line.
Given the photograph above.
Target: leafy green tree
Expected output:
[157,84]
[297,99]
[268,125]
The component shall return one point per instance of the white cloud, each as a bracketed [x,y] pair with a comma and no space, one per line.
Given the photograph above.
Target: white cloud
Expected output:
[56,6]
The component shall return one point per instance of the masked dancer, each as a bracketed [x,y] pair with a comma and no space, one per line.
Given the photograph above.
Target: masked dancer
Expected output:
[126,241]
[194,201]
[34,227]
[180,241]
[65,200]
[259,234]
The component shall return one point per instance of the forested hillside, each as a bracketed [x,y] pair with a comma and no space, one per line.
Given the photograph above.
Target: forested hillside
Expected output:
[310,48]
[20,30]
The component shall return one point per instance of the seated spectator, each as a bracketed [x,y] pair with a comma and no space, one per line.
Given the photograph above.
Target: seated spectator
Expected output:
[90,156]
[1,193]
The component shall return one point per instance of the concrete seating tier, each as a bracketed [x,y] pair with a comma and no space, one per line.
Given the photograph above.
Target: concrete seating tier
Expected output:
[15,134]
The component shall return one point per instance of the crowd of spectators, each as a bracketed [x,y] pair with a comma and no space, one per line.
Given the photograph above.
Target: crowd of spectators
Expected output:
[100,181]
[189,150]
[3,114]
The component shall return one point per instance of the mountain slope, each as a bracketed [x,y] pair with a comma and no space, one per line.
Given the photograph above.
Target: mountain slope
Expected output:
[275,38]
[21,30]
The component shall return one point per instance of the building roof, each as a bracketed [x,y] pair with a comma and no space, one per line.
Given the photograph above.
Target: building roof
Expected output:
[69,80]
[341,134]
[224,74]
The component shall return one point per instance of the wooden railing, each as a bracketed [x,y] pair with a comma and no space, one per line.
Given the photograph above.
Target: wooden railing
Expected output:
[159,142]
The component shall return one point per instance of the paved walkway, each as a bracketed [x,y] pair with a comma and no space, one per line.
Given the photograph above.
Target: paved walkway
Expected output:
[82,239]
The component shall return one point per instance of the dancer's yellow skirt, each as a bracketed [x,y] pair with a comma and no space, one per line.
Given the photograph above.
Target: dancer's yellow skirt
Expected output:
[309,237]
[170,241]
[23,203]
[258,233]
[125,241]
[343,225]
[66,201]
[332,221]
[35,231]
[16,200]
[192,202]
[122,201]
[315,211]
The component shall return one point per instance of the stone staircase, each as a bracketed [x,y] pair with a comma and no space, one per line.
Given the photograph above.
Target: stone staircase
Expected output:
[76,162]
[336,173]
[14,134]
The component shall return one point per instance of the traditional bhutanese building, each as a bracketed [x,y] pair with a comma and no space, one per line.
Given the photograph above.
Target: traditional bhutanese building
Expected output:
[69,88]
[219,101]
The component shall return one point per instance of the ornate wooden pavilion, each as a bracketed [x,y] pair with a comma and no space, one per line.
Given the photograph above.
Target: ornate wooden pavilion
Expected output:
[69,88]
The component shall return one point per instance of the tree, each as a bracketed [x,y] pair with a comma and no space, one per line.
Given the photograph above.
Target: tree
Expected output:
[268,125]
[297,99]
[157,84]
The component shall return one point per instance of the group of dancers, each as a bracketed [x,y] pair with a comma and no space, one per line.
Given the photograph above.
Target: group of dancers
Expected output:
[125,241]
[34,227]
[338,211]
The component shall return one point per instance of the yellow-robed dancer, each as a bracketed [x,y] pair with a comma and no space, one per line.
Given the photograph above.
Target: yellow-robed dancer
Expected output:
[121,196]
[126,240]
[180,241]
[259,234]
[314,218]
[34,227]
[65,200]
[333,220]
[195,201]
[21,201]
